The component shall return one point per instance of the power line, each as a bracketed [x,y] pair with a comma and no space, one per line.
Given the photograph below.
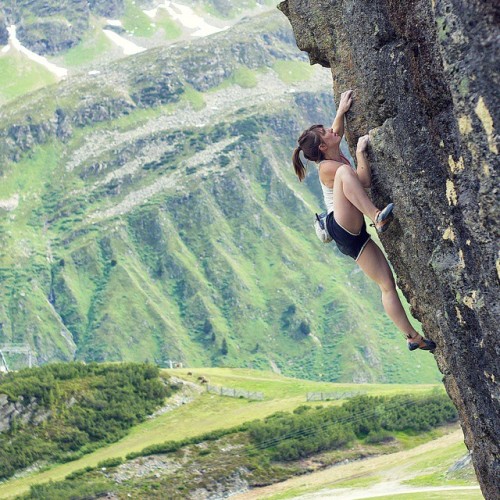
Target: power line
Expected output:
[313,430]
[340,421]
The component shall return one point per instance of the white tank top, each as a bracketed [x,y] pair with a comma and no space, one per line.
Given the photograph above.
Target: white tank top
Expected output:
[328,197]
[328,192]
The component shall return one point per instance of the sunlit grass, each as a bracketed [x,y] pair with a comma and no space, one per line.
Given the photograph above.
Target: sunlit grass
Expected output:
[458,494]
[348,483]
[193,97]
[385,468]
[136,22]
[236,7]
[28,179]
[19,75]
[89,49]
[244,77]
[277,386]
[436,469]
[171,29]
[443,458]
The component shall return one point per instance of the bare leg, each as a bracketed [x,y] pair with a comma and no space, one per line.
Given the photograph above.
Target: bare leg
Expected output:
[374,264]
[350,200]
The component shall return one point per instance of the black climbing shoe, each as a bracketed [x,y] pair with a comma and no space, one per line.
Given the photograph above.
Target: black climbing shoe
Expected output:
[383,218]
[429,345]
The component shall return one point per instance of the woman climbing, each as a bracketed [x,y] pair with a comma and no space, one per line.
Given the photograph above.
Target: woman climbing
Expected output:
[347,202]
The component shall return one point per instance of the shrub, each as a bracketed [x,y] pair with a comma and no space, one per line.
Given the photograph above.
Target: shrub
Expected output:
[80,472]
[379,436]
[77,488]
[110,462]
[302,408]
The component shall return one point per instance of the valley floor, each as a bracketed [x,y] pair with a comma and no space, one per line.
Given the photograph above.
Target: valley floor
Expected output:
[420,471]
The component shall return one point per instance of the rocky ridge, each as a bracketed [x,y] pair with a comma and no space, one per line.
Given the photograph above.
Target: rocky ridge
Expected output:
[51,27]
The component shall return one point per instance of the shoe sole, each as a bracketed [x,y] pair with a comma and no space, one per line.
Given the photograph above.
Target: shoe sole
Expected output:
[386,216]
[387,221]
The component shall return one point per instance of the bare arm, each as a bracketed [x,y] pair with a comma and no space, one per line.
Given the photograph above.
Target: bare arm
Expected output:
[363,170]
[344,105]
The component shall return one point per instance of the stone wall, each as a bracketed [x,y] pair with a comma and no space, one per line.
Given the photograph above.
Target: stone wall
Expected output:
[427,88]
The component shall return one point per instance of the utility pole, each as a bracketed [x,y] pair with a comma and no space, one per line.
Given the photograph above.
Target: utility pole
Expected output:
[3,367]
[15,349]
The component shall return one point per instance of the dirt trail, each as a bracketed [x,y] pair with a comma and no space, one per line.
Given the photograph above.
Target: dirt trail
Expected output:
[390,469]
[380,490]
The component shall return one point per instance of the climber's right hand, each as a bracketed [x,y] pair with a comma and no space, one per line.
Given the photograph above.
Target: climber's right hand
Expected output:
[363,142]
[345,102]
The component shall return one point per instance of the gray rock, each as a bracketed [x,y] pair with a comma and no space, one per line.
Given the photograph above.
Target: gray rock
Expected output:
[427,80]
[20,411]
[112,9]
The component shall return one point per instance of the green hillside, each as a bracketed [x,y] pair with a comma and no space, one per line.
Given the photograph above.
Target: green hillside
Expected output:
[76,37]
[158,219]
[221,419]
[260,452]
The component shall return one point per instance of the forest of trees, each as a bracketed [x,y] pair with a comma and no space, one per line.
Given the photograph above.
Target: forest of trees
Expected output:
[78,407]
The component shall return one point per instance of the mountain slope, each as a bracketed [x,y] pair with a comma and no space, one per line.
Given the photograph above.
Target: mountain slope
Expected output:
[150,213]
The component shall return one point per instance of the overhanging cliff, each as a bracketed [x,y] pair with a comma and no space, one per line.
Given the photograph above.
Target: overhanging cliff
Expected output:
[427,87]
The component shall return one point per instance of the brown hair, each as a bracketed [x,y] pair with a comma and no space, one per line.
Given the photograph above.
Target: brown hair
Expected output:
[309,143]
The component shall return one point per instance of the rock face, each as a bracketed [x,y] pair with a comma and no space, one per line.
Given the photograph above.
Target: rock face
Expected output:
[4,34]
[22,411]
[427,87]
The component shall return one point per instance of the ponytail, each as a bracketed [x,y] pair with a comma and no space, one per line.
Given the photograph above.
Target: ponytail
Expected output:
[309,143]
[300,169]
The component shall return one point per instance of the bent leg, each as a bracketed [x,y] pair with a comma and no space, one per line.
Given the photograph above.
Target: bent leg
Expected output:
[374,264]
[350,200]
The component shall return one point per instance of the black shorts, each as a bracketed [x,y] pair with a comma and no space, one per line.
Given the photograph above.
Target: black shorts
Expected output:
[348,243]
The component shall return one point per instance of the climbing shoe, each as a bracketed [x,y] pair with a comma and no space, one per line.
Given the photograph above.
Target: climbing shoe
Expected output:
[429,345]
[383,218]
